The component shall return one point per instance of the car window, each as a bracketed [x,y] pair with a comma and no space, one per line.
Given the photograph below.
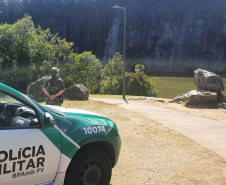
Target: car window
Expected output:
[7,98]
[15,114]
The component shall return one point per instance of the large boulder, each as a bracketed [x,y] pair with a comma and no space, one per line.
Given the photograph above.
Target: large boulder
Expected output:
[205,80]
[34,90]
[76,92]
[197,96]
[209,87]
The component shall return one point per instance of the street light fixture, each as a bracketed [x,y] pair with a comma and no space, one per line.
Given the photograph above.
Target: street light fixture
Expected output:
[124,51]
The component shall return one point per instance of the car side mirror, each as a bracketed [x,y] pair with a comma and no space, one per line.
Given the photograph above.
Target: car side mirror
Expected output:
[49,120]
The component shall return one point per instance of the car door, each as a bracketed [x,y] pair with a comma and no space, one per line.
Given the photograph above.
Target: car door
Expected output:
[29,151]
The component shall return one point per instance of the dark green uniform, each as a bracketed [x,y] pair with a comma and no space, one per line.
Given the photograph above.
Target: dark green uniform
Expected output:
[54,84]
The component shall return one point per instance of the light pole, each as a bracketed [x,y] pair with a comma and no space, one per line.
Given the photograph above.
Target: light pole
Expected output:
[124,52]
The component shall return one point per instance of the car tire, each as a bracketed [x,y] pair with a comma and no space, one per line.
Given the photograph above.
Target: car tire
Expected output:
[90,167]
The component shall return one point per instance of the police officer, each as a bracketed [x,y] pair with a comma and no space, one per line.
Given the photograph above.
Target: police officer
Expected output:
[53,88]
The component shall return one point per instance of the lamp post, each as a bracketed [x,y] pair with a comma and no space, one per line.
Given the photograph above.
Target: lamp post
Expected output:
[124,51]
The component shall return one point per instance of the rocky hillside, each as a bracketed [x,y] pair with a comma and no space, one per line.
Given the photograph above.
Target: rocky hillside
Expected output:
[157,30]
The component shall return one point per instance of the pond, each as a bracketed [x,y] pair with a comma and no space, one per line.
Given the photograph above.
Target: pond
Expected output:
[170,87]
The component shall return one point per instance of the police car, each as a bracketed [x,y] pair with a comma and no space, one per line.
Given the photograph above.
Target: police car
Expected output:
[43,145]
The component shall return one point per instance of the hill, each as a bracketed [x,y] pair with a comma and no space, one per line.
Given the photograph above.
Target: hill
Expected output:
[165,35]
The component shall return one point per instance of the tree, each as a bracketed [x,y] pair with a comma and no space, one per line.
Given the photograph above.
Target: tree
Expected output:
[83,68]
[26,53]
[113,67]
[111,74]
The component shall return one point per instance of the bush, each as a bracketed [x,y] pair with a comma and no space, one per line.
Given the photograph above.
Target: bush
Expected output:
[136,84]
[111,85]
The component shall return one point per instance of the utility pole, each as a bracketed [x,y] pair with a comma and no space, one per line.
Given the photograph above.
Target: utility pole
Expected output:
[124,52]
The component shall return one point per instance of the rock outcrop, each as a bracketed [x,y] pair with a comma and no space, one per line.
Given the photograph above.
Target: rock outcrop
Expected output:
[209,87]
[205,80]
[76,92]
[195,96]
[34,90]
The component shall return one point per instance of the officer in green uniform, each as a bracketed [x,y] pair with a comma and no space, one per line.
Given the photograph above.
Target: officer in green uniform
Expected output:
[54,88]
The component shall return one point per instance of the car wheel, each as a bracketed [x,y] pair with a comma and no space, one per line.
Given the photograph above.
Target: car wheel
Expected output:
[90,167]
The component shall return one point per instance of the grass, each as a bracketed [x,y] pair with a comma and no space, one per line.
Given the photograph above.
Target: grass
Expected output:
[153,154]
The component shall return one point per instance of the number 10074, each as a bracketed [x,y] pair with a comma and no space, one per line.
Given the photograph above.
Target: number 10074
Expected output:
[94,130]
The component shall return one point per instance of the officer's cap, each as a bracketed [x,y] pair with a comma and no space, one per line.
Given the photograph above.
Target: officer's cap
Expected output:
[54,71]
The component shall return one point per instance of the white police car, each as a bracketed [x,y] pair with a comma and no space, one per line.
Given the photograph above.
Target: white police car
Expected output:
[43,145]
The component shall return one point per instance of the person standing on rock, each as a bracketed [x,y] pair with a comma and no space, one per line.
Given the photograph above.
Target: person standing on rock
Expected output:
[54,88]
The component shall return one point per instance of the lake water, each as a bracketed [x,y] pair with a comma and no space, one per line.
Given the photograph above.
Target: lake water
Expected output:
[170,87]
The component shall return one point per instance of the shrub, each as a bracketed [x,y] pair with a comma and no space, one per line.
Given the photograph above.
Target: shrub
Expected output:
[136,84]
[111,85]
